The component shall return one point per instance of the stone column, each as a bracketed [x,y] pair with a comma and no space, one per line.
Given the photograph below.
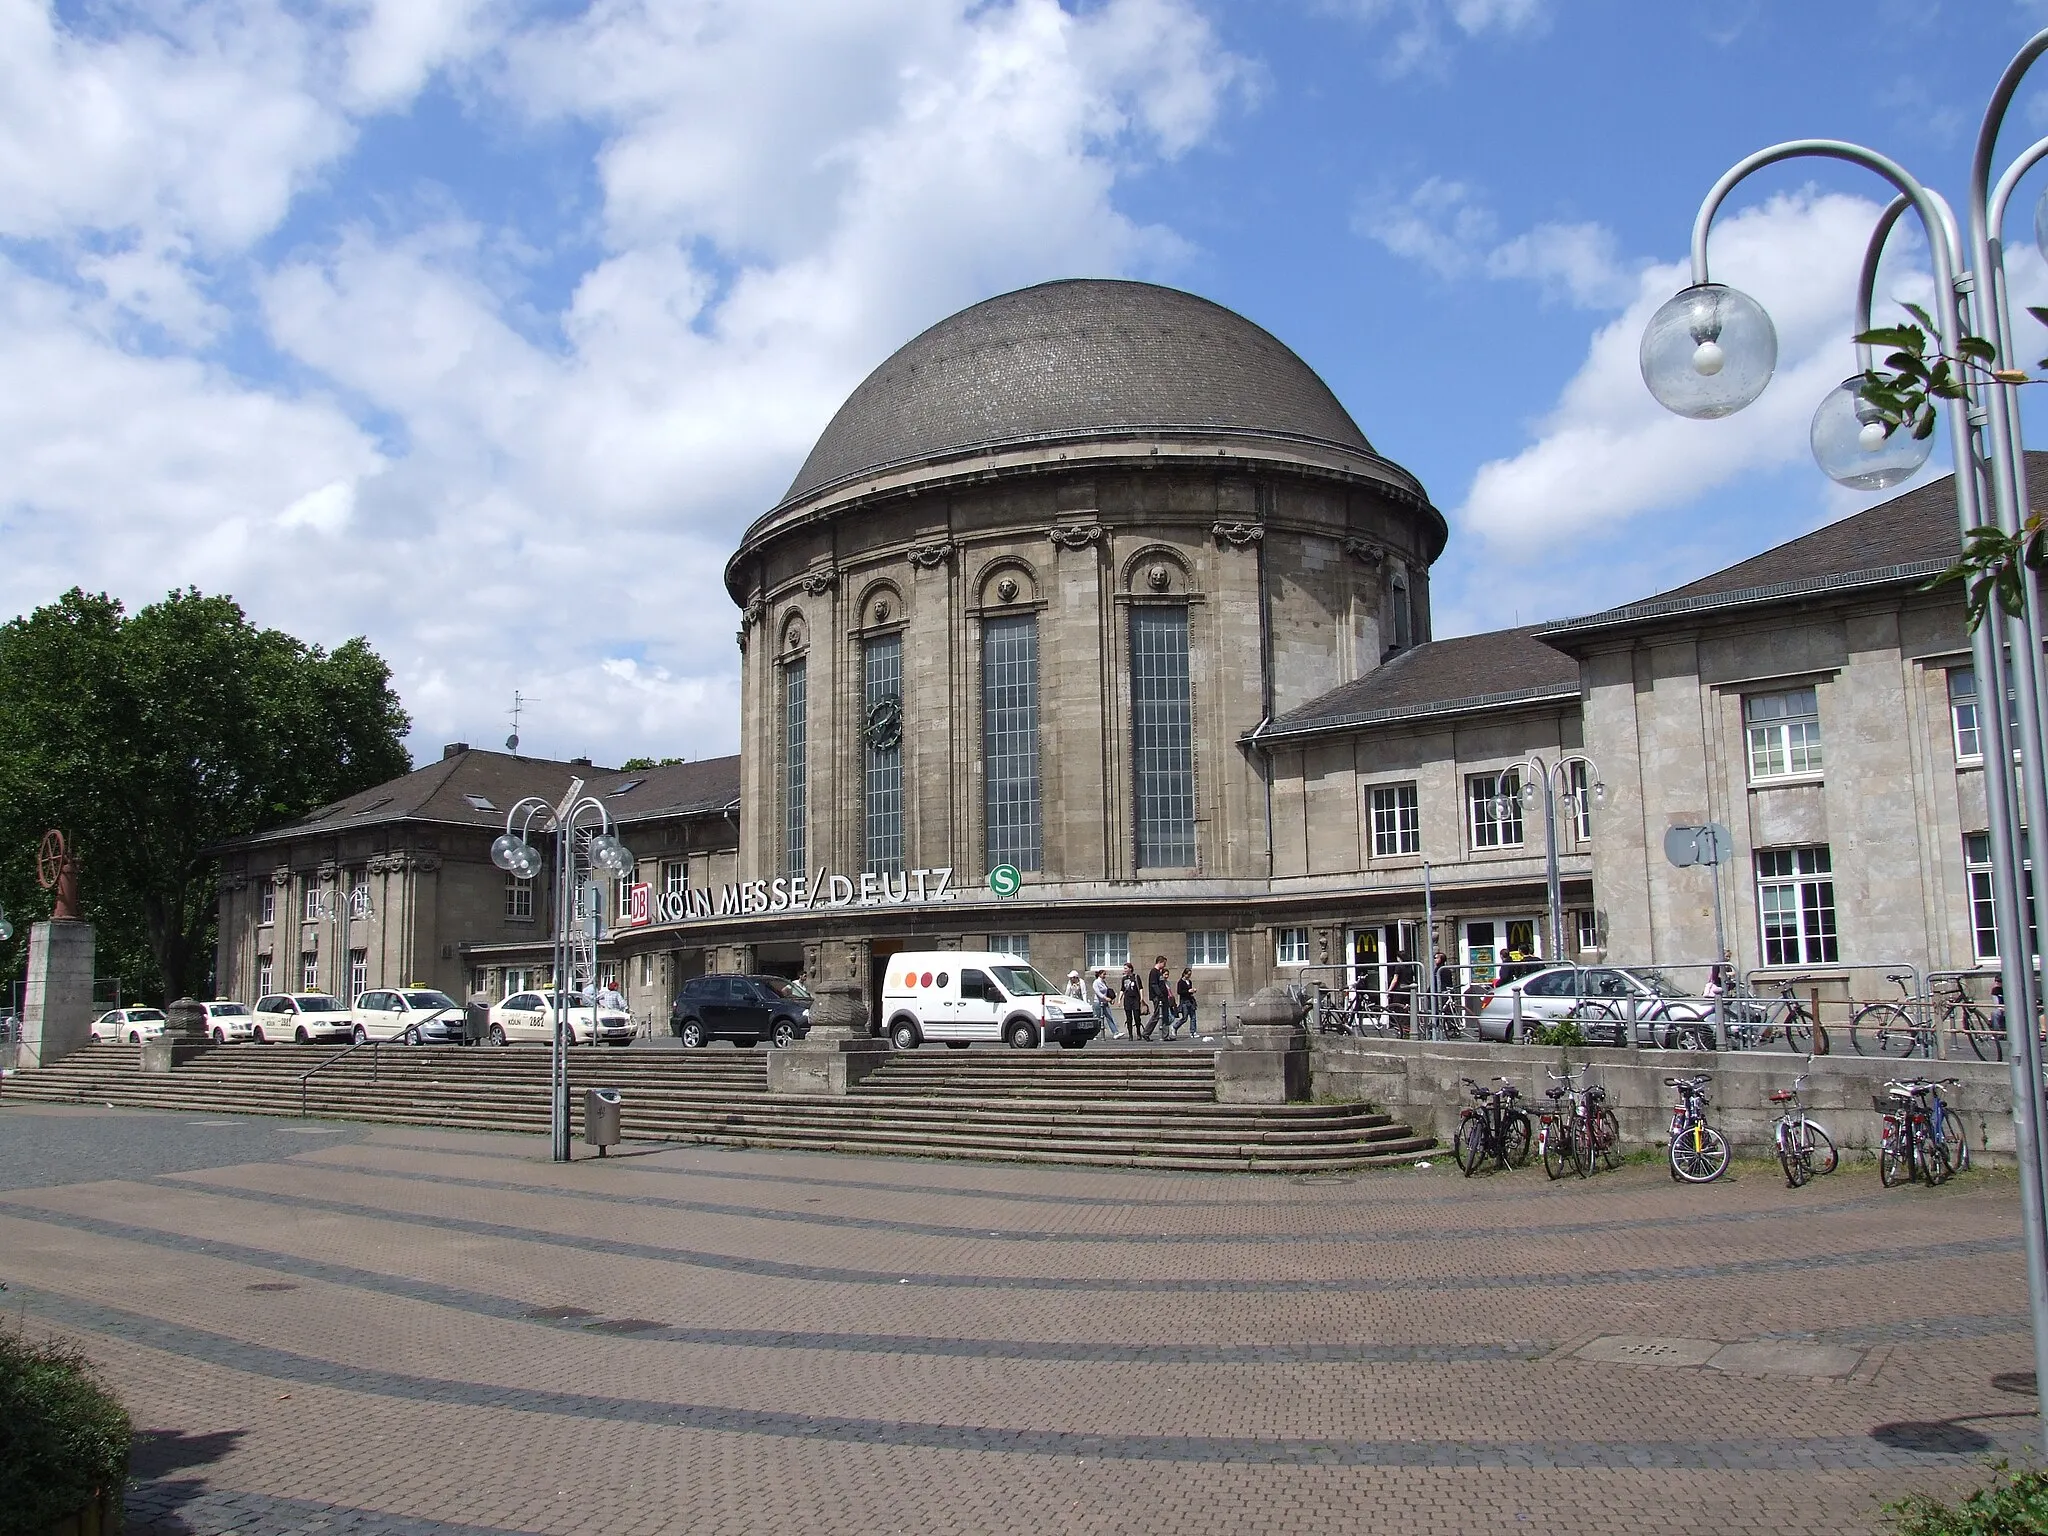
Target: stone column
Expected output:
[56,1013]
[1271,1065]
[837,1053]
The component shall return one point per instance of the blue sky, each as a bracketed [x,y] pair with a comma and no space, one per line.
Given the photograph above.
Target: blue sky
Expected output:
[482,327]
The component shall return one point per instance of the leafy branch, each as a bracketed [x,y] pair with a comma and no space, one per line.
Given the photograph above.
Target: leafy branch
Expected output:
[1990,567]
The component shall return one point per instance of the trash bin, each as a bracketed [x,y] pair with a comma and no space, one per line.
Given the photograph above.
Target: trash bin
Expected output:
[476,1022]
[600,1118]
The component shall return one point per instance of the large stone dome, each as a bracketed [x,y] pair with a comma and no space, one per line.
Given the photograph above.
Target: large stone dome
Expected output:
[1075,359]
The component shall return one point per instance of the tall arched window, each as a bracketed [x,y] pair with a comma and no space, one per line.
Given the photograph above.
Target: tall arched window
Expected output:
[795,764]
[882,737]
[1163,737]
[1009,739]
[1404,615]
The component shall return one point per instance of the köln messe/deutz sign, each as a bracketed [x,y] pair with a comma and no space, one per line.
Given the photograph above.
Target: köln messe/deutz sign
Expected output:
[790,893]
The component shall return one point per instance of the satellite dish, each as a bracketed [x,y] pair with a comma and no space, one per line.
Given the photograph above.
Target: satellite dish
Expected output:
[512,742]
[1682,846]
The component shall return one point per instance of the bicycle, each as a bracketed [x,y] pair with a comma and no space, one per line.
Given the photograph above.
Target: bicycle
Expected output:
[1754,1022]
[1699,1153]
[1804,1148]
[1922,1137]
[1898,1029]
[1564,1131]
[1495,1127]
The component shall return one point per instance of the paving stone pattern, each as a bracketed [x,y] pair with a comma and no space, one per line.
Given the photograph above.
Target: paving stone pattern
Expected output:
[413,1332]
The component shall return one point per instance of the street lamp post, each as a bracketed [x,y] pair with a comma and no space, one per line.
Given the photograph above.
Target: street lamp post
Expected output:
[1556,784]
[579,856]
[1711,350]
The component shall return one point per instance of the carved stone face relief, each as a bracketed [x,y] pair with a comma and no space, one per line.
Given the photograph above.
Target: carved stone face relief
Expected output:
[882,610]
[1006,589]
[1157,578]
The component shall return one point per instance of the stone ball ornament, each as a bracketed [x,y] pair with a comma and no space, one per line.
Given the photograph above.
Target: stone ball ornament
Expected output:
[1708,351]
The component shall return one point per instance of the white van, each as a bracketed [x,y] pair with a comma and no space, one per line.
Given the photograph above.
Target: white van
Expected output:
[960,996]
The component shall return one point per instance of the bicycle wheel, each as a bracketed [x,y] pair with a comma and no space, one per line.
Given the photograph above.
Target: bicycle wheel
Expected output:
[1458,1136]
[1699,1154]
[1792,1157]
[1882,1029]
[1516,1139]
[1820,1149]
[1472,1144]
[1607,1138]
[1894,1163]
[1557,1156]
[1580,1141]
[1956,1138]
[1804,1034]
[1987,1034]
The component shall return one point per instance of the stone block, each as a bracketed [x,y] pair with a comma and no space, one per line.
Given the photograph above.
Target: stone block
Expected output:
[164,1053]
[824,1066]
[56,1009]
[1249,1076]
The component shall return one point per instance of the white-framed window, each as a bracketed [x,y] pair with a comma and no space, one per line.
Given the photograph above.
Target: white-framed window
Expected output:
[359,974]
[1106,951]
[519,897]
[647,970]
[1495,803]
[1983,905]
[359,893]
[1208,946]
[1579,808]
[1784,733]
[1290,946]
[624,885]
[1795,901]
[263,973]
[1585,928]
[675,877]
[309,971]
[1396,821]
[517,979]
[1018,944]
[309,899]
[1962,712]
[266,903]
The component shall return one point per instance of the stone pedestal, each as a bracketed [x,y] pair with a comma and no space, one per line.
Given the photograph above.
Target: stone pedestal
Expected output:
[56,1012]
[164,1053]
[1270,1066]
[837,1053]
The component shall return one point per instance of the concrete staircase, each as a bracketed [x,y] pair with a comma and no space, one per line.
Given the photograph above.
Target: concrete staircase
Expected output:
[1130,1108]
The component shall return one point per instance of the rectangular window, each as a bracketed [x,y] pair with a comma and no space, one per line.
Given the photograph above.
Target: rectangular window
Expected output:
[309,971]
[1495,801]
[1018,944]
[1784,733]
[647,970]
[359,974]
[1795,899]
[1164,738]
[882,666]
[309,900]
[1983,905]
[1209,947]
[675,877]
[519,897]
[1962,709]
[263,971]
[1396,821]
[267,904]
[1107,951]
[795,766]
[1585,926]
[1290,946]
[1578,809]
[1009,739]
[1404,613]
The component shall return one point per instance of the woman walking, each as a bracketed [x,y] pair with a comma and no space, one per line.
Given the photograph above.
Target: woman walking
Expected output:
[1105,1003]
[1184,990]
[1134,1002]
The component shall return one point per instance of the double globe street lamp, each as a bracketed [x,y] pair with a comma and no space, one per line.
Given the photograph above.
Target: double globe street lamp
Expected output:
[584,847]
[1578,791]
[1712,349]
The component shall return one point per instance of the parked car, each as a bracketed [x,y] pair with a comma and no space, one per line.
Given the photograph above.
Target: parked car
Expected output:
[224,1020]
[1600,994]
[133,1025]
[960,996]
[302,1017]
[743,1009]
[531,1016]
[413,1016]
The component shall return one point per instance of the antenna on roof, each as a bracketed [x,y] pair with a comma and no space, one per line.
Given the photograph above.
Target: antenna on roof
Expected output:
[512,741]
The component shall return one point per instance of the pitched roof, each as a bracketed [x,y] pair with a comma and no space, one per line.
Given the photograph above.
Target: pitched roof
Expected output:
[1441,677]
[476,788]
[1904,540]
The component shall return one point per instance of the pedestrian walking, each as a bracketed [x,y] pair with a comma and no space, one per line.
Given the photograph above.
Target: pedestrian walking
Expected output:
[1400,990]
[1184,992]
[1133,992]
[1075,989]
[1105,1002]
[1159,995]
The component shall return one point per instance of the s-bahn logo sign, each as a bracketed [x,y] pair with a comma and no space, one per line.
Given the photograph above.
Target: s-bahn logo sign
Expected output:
[795,893]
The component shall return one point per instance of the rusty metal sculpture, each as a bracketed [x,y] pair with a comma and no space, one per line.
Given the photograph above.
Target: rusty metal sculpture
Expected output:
[57,870]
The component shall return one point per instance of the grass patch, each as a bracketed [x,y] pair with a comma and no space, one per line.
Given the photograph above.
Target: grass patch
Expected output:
[2014,1504]
[63,1436]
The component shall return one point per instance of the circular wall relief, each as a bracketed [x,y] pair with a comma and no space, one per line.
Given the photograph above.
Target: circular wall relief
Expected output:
[1006,589]
[1157,578]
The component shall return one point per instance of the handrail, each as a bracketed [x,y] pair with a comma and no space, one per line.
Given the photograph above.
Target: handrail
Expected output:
[350,1050]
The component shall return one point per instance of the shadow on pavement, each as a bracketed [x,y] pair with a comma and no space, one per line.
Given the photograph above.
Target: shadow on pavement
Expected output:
[157,1452]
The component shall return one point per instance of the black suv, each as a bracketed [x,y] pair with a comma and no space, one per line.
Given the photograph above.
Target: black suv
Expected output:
[743,1009]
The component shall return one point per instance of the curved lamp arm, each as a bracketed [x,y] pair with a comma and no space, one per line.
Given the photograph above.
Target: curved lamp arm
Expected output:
[1866,282]
[1987,136]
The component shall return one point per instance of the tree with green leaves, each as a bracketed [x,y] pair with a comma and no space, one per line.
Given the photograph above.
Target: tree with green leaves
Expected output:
[151,737]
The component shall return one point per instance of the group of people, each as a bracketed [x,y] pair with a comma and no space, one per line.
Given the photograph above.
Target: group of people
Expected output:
[1154,1008]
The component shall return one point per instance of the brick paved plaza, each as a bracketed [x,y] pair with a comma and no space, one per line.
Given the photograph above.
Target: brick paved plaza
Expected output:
[323,1327]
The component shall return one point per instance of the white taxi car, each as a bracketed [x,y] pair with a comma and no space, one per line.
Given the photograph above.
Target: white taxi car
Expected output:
[531,1016]
[414,1015]
[133,1025]
[302,1017]
[224,1021]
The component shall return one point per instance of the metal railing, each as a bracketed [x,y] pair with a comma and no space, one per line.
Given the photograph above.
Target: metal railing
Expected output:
[341,1055]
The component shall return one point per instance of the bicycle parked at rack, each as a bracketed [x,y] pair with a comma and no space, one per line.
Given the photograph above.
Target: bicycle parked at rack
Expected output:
[1756,1022]
[1494,1128]
[1804,1148]
[1914,1023]
[1699,1153]
[1922,1137]
[1578,1128]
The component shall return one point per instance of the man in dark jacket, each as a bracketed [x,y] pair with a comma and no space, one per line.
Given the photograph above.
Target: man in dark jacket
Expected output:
[1159,992]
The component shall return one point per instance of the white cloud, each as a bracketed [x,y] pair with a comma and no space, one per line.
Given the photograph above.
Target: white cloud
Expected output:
[1443,225]
[1423,31]
[504,490]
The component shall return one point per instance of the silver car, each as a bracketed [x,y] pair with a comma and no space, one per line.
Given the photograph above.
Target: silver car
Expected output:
[1597,997]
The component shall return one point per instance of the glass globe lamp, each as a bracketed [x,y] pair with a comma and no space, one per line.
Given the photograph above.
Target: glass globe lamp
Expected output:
[608,853]
[515,856]
[1854,446]
[1709,351]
